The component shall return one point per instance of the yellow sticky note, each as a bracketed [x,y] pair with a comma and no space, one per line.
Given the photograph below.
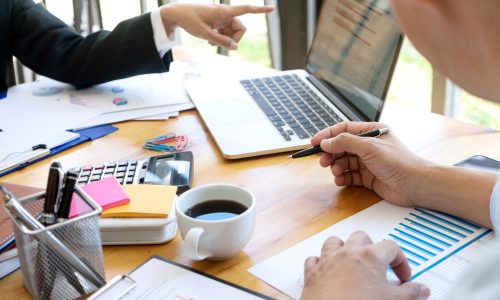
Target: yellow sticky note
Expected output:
[146,201]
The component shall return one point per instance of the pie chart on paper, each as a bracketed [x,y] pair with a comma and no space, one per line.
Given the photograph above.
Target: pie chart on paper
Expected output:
[120,101]
[47,91]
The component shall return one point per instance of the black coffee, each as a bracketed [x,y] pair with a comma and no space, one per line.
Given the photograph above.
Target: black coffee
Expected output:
[214,210]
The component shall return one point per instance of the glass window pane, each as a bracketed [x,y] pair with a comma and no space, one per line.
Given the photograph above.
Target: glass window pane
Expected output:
[254,46]
[61,9]
[411,85]
[479,111]
[115,11]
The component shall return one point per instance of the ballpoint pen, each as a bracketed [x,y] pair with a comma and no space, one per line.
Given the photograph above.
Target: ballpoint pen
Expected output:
[317,149]
[52,192]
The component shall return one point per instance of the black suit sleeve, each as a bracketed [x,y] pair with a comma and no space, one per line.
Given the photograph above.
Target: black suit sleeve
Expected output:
[49,47]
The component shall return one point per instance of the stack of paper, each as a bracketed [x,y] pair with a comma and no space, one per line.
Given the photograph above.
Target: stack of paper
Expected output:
[9,262]
[41,112]
[159,95]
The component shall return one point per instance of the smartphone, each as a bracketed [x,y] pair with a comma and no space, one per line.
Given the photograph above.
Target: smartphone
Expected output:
[481,162]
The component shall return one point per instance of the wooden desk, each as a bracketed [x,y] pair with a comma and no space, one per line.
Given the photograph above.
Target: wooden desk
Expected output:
[295,198]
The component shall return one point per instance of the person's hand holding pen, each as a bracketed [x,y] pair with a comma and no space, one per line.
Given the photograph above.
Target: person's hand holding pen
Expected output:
[383,164]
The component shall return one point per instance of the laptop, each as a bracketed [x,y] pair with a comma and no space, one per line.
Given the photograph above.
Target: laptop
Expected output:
[347,75]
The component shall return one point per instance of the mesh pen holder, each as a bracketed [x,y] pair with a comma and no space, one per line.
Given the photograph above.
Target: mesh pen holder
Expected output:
[64,260]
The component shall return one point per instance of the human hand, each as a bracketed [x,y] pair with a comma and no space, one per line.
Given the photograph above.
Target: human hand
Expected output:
[357,270]
[383,164]
[218,24]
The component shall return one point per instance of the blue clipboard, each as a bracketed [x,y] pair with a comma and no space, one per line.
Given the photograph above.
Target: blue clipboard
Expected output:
[88,134]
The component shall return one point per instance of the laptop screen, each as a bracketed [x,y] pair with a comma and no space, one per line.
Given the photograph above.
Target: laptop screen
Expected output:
[354,51]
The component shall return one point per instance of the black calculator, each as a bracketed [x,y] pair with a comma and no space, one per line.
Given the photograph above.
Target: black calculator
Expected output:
[171,169]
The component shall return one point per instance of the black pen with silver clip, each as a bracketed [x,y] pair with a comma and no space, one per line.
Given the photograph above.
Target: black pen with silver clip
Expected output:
[317,149]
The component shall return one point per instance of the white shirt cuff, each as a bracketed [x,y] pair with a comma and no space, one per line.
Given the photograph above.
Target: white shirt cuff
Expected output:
[163,41]
[495,207]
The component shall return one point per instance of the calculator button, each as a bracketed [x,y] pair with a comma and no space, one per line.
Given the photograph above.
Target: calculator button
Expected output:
[121,169]
[87,168]
[109,171]
[106,175]
[85,173]
[133,163]
[122,164]
[120,180]
[95,177]
[120,174]
[111,165]
[131,173]
[130,180]
[99,167]
[97,172]
[132,168]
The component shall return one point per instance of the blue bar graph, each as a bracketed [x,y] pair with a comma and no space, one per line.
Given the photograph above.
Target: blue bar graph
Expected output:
[424,234]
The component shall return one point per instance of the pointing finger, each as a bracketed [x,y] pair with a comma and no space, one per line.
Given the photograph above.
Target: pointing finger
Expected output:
[239,10]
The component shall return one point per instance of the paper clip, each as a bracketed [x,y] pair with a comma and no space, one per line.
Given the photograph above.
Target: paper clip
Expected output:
[181,142]
[158,142]
[169,137]
[163,148]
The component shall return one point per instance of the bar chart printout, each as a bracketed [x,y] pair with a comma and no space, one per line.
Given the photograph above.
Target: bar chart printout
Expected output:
[439,247]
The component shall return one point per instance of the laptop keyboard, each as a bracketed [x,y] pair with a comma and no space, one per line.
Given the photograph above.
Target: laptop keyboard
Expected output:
[123,171]
[292,107]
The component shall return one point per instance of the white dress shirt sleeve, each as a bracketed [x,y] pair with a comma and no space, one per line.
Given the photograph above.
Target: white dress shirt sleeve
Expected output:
[495,207]
[163,41]
[482,280]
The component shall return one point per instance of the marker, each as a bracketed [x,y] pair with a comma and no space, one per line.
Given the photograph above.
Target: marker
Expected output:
[317,149]
[52,194]
[69,188]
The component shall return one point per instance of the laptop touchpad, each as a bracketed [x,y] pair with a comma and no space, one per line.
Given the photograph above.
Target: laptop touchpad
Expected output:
[229,113]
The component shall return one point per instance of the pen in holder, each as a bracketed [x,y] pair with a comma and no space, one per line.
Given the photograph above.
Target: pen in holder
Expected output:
[63,260]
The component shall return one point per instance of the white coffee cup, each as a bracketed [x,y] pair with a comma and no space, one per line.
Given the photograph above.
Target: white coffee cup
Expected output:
[215,239]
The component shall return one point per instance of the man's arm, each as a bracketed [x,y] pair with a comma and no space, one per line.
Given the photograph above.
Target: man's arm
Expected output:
[391,170]
[51,48]
[457,191]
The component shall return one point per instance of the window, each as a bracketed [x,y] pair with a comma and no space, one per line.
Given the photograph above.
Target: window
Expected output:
[411,84]
[479,111]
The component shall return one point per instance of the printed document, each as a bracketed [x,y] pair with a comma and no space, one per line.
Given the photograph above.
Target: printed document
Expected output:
[439,247]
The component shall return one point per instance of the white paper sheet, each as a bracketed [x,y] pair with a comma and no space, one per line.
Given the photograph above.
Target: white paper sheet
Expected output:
[159,117]
[14,159]
[120,95]
[28,123]
[133,114]
[158,279]
[381,221]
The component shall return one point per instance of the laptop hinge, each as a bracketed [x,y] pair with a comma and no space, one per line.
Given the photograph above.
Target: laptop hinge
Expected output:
[336,100]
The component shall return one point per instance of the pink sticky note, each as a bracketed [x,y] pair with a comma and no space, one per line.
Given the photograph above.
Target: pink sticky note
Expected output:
[107,193]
